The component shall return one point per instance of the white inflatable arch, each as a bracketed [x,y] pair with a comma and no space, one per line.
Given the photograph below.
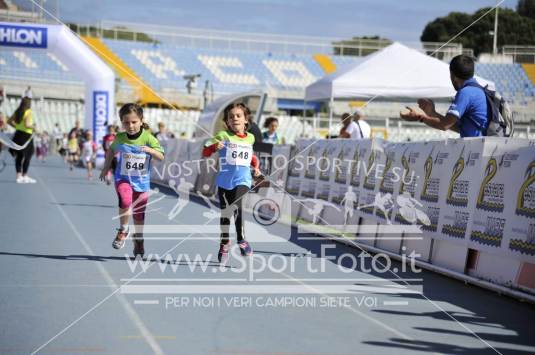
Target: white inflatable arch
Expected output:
[99,79]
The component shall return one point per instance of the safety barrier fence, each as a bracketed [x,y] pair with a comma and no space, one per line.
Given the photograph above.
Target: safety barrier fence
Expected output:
[461,207]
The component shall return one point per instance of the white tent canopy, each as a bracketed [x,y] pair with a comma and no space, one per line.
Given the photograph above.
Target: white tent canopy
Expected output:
[395,72]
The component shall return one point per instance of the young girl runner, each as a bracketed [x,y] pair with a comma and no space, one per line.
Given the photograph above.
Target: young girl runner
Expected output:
[234,179]
[37,141]
[45,144]
[89,151]
[64,147]
[74,149]
[134,149]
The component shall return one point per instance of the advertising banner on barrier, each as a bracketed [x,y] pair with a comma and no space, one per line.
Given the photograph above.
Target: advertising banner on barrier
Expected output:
[329,169]
[459,190]
[296,166]
[313,153]
[369,168]
[293,186]
[496,189]
[162,171]
[429,175]
[194,157]
[507,225]
[177,167]
[296,163]
[311,206]
[396,176]
[159,168]
[325,166]
[342,164]
[184,168]
[279,164]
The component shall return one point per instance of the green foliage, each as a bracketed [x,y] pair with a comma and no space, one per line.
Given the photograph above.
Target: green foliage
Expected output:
[514,29]
[526,8]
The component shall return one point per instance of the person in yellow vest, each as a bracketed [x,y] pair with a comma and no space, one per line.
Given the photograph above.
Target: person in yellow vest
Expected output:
[22,121]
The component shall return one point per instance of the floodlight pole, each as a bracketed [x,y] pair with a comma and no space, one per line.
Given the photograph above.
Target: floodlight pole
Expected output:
[495,44]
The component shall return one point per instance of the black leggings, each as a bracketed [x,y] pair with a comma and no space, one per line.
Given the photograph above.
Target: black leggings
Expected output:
[230,202]
[24,156]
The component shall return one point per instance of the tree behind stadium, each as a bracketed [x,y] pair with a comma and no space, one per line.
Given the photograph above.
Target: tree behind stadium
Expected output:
[526,8]
[514,28]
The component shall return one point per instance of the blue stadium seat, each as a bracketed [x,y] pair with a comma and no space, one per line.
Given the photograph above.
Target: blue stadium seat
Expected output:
[163,66]
[511,81]
[35,66]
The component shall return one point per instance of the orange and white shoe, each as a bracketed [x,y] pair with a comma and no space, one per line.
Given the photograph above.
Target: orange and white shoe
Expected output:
[120,238]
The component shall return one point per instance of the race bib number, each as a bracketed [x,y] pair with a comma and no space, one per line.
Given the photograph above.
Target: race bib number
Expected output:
[239,154]
[133,164]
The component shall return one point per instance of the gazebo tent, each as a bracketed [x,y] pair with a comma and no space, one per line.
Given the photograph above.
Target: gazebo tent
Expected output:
[395,72]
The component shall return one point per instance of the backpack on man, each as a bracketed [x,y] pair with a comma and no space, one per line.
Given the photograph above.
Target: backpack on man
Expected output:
[500,116]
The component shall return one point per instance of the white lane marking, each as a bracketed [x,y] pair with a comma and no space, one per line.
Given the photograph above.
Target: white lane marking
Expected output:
[146,302]
[134,317]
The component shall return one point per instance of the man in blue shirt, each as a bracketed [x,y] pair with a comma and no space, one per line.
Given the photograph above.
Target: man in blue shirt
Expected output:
[468,113]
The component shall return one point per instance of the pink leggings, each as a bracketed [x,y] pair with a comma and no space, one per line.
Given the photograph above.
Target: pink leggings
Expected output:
[130,198]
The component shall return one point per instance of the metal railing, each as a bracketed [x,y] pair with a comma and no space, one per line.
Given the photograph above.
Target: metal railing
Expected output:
[520,54]
[18,16]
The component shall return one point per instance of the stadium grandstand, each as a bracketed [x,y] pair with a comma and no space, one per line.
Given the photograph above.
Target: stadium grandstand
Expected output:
[162,65]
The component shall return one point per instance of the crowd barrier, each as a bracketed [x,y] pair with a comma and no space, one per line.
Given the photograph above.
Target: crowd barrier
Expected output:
[470,203]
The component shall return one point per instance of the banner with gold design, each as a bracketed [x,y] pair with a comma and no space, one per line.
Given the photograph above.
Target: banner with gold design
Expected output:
[368,172]
[461,174]
[343,165]
[519,210]
[496,189]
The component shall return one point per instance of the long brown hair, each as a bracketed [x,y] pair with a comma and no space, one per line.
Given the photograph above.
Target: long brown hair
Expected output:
[243,107]
[133,108]
[24,105]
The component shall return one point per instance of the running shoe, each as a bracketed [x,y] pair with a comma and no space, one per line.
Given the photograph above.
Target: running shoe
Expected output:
[120,238]
[245,248]
[20,180]
[222,256]
[29,180]
[139,248]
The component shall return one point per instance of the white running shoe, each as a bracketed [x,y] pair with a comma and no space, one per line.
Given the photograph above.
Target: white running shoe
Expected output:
[29,180]
[20,180]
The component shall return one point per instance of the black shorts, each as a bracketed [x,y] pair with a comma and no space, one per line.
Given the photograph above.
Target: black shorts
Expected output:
[21,138]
